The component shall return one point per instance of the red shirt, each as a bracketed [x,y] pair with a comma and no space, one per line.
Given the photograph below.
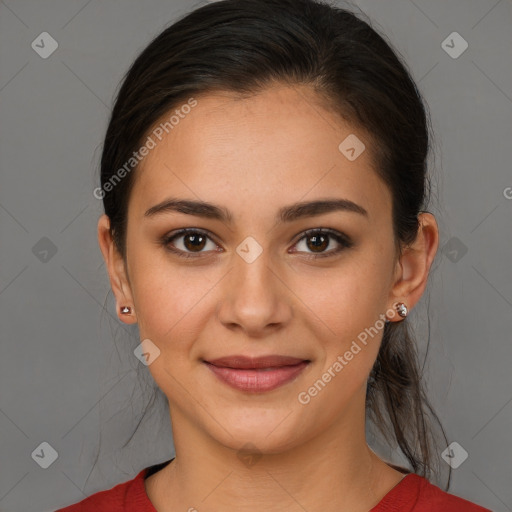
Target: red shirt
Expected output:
[412,494]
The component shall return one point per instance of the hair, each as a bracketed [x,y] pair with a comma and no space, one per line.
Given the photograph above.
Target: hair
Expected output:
[246,46]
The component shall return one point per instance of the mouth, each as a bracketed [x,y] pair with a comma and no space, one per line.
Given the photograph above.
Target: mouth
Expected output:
[257,374]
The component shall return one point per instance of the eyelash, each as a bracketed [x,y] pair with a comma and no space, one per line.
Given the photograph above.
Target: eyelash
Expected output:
[343,240]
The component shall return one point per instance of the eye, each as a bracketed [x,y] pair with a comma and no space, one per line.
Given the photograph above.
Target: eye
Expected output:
[191,240]
[319,239]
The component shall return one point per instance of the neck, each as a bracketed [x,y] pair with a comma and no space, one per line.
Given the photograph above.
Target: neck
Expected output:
[336,470]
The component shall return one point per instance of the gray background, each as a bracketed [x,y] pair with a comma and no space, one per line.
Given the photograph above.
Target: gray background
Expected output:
[67,368]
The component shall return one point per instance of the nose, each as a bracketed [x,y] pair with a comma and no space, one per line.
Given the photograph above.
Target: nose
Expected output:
[255,299]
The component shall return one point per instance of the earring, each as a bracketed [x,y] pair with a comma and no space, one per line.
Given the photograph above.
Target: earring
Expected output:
[402,309]
[126,310]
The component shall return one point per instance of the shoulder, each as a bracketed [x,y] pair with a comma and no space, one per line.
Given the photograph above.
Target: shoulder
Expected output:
[124,497]
[417,494]
[129,496]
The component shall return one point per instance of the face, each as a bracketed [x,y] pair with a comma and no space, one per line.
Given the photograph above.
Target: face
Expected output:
[254,276]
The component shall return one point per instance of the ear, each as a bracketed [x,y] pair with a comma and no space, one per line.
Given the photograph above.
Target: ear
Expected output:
[116,270]
[413,267]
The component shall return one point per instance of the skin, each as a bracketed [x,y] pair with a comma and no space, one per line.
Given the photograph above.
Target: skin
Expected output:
[253,156]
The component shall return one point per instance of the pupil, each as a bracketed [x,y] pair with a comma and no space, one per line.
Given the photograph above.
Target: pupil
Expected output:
[197,241]
[318,241]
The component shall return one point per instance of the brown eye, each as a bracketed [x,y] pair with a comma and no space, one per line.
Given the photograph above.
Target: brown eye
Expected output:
[316,241]
[188,243]
[194,241]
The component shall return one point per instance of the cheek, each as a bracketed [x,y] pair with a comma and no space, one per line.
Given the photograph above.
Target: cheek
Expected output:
[170,301]
[171,307]
[345,300]
[343,311]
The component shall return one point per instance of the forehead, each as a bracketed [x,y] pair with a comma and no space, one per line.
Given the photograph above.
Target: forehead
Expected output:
[278,146]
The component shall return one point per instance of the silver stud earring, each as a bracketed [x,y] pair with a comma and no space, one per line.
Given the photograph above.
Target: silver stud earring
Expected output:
[401,309]
[126,310]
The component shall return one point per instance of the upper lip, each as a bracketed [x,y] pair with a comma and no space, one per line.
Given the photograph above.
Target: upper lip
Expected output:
[244,362]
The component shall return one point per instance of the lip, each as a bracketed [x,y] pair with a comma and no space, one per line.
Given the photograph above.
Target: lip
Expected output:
[245,362]
[257,374]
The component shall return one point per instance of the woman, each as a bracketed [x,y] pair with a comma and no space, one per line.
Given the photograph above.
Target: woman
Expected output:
[264,182]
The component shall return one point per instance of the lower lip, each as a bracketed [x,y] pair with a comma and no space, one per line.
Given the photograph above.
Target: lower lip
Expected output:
[257,380]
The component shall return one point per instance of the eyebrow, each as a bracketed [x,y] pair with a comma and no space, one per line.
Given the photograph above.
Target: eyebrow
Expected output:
[285,214]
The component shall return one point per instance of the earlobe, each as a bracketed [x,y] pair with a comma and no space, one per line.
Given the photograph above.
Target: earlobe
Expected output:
[116,272]
[414,265]
[127,314]
[399,308]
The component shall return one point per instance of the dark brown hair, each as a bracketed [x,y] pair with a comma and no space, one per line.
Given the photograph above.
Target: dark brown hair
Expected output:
[243,46]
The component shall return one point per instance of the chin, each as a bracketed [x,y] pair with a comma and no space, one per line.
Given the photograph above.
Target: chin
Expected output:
[267,432]
[261,444]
